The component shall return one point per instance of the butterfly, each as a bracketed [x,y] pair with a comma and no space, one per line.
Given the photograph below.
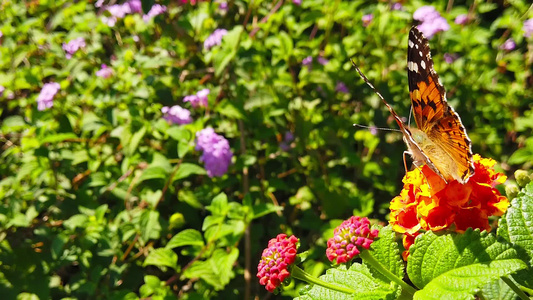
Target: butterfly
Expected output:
[440,141]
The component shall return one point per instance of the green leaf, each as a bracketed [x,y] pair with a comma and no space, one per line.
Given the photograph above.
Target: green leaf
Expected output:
[456,266]
[58,137]
[217,270]
[358,278]
[187,237]
[150,227]
[498,289]
[162,257]
[135,140]
[386,250]
[153,172]
[219,205]
[265,209]
[187,169]
[516,226]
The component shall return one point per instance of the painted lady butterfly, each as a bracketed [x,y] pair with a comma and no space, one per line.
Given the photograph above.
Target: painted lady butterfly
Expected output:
[440,141]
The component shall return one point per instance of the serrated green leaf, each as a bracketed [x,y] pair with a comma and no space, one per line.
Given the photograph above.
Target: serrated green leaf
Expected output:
[498,289]
[456,266]
[153,172]
[358,278]
[387,251]
[150,227]
[187,237]
[162,257]
[217,270]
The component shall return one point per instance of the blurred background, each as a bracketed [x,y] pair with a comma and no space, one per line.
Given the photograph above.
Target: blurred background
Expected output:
[151,149]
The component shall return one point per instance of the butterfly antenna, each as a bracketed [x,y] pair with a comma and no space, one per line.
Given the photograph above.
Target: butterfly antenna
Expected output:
[396,117]
[376,128]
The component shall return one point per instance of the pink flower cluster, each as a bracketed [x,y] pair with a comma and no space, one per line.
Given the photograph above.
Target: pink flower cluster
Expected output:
[216,152]
[157,9]
[347,237]
[105,71]
[280,254]
[432,21]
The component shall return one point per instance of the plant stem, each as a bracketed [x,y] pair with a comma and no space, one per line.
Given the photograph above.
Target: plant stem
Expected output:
[304,276]
[516,289]
[369,259]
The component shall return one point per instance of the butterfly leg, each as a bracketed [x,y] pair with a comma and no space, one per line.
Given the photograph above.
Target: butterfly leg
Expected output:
[405,161]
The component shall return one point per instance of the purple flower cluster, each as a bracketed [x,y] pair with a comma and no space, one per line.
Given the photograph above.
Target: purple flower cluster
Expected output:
[217,153]
[285,145]
[215,38]
[105,71]
[341,88]
[528,28]
[297,2]
[157,9]
[508,45]
[307,61]
[73,46]
[396,6]
[200,99]
[176,114]
[432,21]
[461,19]
[119,11]
[348,238]
[2,89]
[367,19]
[275,260]
[45,99]
[450,58]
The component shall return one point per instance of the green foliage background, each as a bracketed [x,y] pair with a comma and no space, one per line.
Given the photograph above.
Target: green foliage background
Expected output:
[102,198]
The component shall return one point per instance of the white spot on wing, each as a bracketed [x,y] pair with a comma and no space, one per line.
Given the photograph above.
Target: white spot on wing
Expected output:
[412,66]
[423,65]
[411,44]
[420,53]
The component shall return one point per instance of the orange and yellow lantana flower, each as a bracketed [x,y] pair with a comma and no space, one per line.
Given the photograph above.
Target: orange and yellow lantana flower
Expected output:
[426,202]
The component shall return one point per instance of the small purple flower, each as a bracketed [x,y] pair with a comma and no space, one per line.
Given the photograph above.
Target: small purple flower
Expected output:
[157,9]
[215,38]
[461,19]
[508,45]
[432,21]
[73,46]
[2,89]
[288,138]
[528,27]
[341,88]
[135,6]
[321,60]
[99,3]
[450,58]
[105,71]
[397,6]
[223,6]
[119,11]
[216,152]
[307,61]
[111,21]
[373,130]
[45,99]
[297,2]
[200,99]
[176,114]
[367,19]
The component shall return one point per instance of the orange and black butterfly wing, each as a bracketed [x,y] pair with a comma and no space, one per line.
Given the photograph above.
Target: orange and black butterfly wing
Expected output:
[432,113]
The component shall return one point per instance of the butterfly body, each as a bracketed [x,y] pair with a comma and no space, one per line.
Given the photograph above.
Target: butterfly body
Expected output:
[440,141]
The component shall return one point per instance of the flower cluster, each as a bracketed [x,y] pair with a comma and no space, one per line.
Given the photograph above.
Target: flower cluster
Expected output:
[275,260]
[528,28]
[217,153]
[508,45]
[73,46]
[348,239]
[427,202]
[432,21]
[157,9]
[215,38]
[341,88]
[461,19]
[285,145]
[367,19]
[119,11]
[105,71]
[176,114]
[200,99]
[45,99]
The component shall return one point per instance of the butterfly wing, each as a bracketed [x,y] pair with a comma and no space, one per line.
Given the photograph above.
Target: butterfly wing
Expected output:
[432,113]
